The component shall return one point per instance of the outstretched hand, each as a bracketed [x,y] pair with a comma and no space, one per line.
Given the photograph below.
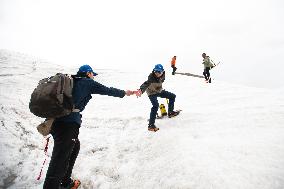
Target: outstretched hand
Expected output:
[138,93]
[128,92]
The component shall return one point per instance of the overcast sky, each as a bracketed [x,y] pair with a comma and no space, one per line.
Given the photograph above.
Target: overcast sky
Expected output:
[247,36]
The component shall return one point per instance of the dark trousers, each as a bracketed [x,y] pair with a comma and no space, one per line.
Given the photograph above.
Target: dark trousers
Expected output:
[155,103]
[64,154]
[174,70]
[206,74]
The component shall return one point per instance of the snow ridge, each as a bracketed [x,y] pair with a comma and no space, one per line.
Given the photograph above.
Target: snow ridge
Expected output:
[227,136]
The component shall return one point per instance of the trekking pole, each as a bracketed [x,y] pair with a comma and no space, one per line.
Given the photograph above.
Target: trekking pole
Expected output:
[45,152]
[215,63]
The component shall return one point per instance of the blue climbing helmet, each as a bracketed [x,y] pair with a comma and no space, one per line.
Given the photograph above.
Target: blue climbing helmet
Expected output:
[85,69]
[158,68]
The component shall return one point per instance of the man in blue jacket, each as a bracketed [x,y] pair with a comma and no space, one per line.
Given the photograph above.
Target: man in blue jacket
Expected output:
[65,130]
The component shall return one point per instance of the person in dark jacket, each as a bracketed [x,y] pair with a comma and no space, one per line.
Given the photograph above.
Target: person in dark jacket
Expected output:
[154,89]
[65,130]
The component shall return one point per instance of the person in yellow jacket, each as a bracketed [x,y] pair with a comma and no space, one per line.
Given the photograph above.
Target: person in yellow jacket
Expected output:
[173,65]
[207,66]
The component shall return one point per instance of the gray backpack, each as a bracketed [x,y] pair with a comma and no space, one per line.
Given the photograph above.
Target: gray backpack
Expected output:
[52,97]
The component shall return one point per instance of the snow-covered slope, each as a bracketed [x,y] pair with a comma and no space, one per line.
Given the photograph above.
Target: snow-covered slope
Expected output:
[227,136]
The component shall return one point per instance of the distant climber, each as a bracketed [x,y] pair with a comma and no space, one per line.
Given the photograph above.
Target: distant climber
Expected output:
[207,66]
[173,65]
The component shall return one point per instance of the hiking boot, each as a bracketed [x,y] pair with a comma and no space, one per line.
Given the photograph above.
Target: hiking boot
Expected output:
[152,127]
[173,114]
[73,185]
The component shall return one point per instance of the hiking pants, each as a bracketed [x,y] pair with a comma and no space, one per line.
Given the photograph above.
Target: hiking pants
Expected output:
[174,69]
[64,154]
[155,103]
[206,74]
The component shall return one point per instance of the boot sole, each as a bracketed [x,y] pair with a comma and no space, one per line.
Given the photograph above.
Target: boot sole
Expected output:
[153,130]
[76,184]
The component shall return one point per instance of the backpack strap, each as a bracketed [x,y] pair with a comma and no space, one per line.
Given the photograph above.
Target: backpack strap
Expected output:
[75,110]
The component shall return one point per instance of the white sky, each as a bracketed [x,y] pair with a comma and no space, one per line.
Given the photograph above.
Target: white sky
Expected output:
[245,35]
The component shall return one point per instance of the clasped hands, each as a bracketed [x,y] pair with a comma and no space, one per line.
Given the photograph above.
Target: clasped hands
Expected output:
[138,93]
